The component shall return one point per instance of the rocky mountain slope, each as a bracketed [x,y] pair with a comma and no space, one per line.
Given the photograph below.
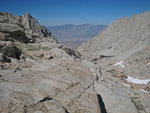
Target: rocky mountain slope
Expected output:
[122,53]
[38,75]
[123,35]
[74,35]
[23,28]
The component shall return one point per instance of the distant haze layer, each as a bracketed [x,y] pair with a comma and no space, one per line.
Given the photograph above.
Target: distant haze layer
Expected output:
[75,35]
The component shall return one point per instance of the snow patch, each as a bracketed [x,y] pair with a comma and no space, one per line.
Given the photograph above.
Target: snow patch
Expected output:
[127,85]
[92,70]
[120,64]
[144,91]
[148,63]
[137,81]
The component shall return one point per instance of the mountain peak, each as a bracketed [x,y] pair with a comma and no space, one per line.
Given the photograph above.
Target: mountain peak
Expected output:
[28,14]
[26,23]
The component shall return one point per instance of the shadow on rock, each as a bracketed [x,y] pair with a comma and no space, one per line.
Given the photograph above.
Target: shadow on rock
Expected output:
[101,104]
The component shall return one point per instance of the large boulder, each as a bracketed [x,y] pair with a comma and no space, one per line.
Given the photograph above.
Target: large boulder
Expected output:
[61,54]
[6,27]
[4,58]
[71,52]
[116,99]
[9,50]
[14,32]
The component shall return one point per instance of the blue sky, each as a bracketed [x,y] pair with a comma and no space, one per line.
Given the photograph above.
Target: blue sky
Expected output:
[59,12]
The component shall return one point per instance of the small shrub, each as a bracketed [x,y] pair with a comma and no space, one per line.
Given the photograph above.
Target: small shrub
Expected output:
[137,104]
[46,48]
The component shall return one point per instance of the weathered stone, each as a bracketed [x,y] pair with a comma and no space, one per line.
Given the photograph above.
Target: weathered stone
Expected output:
[2,44]
[71,52]
[6,27]
[1,57]
[4,58]
[49,87]
[59,53]
[2,38]
[16,26]
[32,24]
[14,31]
[10,50]
[116,101]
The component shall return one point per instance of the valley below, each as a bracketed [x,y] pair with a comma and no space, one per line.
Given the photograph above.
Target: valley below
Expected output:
[74,35]
[73,42]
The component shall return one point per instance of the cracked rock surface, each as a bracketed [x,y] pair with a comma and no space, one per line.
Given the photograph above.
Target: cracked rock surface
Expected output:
[37,75]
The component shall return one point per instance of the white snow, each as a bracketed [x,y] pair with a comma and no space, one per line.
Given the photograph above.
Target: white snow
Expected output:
[144,91]
[120,64]
[148,63]
[137,81]
[92,70]
[127,85]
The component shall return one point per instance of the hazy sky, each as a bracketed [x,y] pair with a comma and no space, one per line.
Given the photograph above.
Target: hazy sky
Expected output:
[59,12]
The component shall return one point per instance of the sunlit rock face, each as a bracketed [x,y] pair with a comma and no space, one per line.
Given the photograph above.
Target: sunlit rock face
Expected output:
[23,28]
[123,35]
[38,75]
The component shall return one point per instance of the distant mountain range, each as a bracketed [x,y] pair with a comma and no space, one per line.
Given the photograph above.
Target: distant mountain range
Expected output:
[74,35]
[76,31]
